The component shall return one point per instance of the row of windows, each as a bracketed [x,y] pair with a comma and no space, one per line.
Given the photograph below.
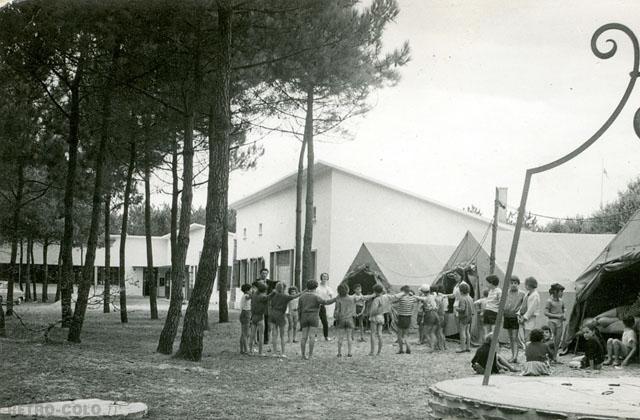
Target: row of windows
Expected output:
[244,230]
[281,268]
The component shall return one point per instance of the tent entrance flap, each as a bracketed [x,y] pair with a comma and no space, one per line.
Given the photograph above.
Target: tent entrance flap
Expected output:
[614,289]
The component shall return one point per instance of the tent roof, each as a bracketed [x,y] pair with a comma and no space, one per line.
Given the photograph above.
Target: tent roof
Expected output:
[410,264]
[549,257]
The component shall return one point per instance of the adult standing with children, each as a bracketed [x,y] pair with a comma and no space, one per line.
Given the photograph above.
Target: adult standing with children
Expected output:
[271,285]
[530,307]
[325,292]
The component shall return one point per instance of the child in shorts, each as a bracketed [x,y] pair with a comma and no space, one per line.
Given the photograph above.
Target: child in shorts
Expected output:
[442,301]
[245,318]
[309,314]
[259,304]
[620,352]
[360,308]
[466,313]
[379,306]
[292,316]
[278,303]
[344,314]
[406,305]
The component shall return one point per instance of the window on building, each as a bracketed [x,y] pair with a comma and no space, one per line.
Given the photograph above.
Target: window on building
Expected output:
[244,233]
[314,214]
[282,266]
[260,229]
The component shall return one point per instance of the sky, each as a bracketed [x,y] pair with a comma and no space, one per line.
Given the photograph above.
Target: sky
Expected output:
[493,87]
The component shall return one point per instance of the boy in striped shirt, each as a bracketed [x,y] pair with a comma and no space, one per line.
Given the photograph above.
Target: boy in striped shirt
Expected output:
[406,305]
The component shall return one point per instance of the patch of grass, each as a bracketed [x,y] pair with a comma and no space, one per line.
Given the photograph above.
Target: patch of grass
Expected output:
[116,361]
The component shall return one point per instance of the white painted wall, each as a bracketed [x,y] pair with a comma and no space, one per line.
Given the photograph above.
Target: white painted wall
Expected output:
[364,211]
[277,215]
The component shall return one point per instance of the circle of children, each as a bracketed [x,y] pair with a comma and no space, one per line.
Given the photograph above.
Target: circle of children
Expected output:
[265,305]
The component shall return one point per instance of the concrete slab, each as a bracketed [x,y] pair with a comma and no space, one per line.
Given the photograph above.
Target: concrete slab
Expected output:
[515,397]
[76,409]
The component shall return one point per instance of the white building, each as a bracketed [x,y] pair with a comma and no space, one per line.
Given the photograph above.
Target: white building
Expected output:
[350,209]
[135,261]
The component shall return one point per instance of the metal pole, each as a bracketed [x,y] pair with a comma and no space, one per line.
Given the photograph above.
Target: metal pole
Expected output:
[507,277]
[494,234]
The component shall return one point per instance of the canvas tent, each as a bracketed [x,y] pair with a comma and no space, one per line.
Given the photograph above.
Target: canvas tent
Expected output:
[611,280]
[402,264]
[549,257]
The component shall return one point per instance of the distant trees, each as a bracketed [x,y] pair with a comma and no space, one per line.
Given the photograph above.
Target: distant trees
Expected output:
[473,210]
[609,219]
[108,93]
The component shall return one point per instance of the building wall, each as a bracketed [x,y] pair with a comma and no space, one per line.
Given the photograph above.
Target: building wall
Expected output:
[277,215]
[364,211]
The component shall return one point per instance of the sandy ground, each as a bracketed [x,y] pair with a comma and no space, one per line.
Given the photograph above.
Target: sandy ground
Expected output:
[116,361]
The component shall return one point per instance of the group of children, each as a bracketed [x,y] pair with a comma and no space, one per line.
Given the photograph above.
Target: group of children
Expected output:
[295,309]
[543,344]
[303,309]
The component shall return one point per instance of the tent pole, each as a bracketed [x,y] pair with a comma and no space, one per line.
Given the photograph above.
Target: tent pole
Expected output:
[494,234]
[505,281]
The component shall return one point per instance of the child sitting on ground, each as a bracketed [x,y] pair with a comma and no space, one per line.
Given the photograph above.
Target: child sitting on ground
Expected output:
[548,340]
[479,361]
[245,318]
[466,312]
[292,316]
[620,352]
[259,303]
[538,355]
[593,352]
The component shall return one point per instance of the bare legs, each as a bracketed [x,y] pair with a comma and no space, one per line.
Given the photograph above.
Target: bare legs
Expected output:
[244,338]
[292,326]
[310,336]
[342,332]
[256,328]
[465,337]
[277,330]
[376,333]
[514,341]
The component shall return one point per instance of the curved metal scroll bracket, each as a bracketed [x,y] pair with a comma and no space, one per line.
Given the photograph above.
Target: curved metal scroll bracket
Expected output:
[633,76]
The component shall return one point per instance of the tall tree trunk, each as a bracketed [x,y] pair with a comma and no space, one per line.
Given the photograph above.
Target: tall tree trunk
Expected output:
[123,233]
[14,240]
[45,271]
[307,257]
[223,306]
[92,242]
[3,332]
[151,278]
[27,272]
[57,297]
[216,210]
[70,185]
[298,252]
[20,264]
[34,296]
[170,329]
[106,302]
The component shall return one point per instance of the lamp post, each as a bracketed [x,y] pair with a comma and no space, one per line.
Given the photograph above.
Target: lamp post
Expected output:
[633,75]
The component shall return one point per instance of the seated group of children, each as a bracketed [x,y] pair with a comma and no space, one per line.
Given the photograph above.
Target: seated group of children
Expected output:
[541,351]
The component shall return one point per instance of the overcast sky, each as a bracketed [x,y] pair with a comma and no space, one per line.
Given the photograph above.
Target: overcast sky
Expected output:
[493,87]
